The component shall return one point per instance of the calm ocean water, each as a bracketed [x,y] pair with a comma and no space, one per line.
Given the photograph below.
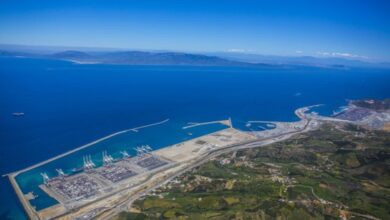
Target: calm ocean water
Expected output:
[68,105]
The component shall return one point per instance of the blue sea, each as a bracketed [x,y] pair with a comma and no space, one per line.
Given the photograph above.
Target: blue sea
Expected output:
[67,105]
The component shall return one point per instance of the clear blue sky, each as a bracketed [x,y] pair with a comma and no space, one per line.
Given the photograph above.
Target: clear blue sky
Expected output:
[329,27]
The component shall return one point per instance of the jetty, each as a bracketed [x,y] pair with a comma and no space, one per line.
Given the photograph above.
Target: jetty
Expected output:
[227,122]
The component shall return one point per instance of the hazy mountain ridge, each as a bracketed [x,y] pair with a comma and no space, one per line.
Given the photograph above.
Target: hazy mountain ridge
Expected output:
[165,58]
[135,57]
[71,54]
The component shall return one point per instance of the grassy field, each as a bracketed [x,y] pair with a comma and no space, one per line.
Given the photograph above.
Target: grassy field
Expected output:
[325,174]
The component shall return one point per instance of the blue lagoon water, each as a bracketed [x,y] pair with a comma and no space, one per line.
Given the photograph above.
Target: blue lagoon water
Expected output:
[67,105]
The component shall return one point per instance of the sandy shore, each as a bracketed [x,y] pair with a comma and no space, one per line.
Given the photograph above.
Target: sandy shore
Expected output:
[191,149]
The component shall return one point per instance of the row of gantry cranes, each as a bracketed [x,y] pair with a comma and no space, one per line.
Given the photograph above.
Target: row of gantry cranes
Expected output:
[88,164]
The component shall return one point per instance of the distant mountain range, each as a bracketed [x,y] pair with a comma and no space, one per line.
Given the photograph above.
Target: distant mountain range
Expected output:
[176,58]
[134,58]
[146,58]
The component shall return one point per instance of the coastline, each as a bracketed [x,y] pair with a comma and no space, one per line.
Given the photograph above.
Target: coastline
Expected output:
[158,180]
[252,84]
[183,155]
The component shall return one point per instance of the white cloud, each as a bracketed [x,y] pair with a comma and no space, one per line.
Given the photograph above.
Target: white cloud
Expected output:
[236,50]
[298,51]
[339,54]
[323,53]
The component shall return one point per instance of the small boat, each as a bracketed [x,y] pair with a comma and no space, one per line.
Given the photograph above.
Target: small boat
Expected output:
[18,114]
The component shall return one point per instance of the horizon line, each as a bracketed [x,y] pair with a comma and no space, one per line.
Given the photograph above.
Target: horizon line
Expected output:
[62,48]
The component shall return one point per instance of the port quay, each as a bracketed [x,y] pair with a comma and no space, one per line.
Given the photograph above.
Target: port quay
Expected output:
[108,189]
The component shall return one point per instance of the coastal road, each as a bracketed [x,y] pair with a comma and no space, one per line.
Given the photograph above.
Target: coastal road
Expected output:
[109,214]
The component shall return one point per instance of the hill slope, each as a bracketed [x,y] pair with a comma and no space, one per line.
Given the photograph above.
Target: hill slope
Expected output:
[325,174]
